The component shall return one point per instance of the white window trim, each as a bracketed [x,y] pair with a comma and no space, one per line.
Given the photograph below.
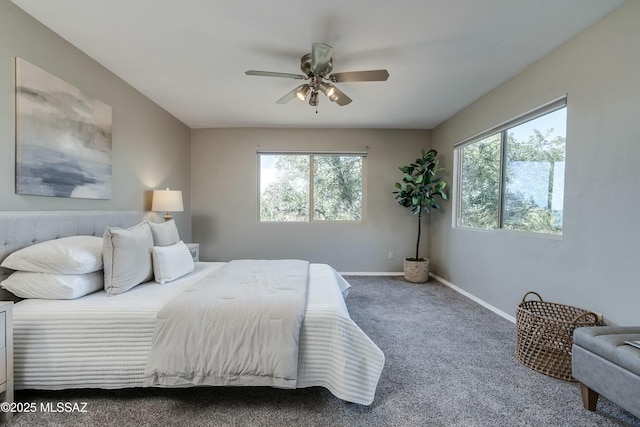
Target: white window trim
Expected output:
[549,107]
[313,153]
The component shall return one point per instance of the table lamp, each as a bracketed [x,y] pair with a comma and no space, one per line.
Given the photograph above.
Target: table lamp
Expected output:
[167,201]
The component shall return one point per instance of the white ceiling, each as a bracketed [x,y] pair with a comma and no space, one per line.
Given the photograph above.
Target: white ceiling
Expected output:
[189,56]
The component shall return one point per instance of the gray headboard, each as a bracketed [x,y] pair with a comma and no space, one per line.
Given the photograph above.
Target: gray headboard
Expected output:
[21,229]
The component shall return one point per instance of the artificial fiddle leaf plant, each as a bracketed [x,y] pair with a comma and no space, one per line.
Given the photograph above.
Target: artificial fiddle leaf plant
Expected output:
[419,188]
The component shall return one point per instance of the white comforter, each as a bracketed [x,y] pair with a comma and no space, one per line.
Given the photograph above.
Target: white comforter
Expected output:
[240,325]
[103,342]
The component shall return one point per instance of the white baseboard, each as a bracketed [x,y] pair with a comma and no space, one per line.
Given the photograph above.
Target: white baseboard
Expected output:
[368,273]
[472,297]
[485,304]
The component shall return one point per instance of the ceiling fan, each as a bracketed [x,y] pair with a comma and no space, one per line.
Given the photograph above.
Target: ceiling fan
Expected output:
[316,67]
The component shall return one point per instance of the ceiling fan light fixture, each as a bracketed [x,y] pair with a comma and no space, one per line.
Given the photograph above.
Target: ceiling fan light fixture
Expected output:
[316,67]
[313,99]
[329,90]
[332,95]
[303,93]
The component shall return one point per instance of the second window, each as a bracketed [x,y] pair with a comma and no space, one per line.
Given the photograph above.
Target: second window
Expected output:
[311,187]
[512,177]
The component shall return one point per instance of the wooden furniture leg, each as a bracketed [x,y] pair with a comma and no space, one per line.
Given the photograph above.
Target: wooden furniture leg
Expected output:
[589,397]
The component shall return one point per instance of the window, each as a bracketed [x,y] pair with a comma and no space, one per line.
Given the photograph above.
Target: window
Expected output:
[311,187]
[512,177]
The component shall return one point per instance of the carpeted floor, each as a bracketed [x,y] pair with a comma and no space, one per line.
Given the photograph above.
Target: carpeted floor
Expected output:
[449,362]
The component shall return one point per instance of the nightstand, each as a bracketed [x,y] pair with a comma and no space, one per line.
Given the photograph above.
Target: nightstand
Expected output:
[194,248]
[6,356]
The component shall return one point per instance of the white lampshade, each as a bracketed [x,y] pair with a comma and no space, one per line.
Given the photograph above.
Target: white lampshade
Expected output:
[167,201]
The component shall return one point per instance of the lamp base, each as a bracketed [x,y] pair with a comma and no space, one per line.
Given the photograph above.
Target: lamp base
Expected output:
[168,217]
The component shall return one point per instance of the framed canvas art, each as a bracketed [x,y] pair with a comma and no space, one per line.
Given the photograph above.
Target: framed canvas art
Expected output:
[63,138]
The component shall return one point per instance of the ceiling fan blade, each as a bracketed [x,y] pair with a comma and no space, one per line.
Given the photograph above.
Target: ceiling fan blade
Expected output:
[320,57]
[289,96]
[272,74]
[342,98]
[360,76]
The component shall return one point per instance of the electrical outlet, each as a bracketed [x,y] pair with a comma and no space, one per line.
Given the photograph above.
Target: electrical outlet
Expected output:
[390,254]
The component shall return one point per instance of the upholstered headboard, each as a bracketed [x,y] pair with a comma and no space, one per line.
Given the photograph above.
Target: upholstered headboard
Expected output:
[21,229]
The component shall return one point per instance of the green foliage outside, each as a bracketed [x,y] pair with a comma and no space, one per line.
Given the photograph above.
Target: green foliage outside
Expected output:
[530,163]
[287,199]
[539,157]
[337,189]
[480,183]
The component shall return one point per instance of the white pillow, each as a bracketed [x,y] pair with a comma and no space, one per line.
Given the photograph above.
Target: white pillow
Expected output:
[164,234]
[67,255]
[171,262]
[127,257]
[26,284]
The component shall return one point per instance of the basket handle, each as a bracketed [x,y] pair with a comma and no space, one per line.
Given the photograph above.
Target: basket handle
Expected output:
[534,293]
[584,314]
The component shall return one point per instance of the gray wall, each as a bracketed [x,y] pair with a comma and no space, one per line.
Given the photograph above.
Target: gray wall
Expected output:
[595,264]
[151,148]
[225,199]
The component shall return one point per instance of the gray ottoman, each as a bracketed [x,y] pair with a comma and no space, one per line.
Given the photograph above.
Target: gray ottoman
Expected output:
[605,365]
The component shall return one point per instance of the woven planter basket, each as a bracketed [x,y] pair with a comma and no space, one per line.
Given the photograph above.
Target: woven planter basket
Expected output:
[545,335]
[416,271]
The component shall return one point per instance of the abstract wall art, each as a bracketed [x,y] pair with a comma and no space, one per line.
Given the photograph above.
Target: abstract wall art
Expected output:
[63,138]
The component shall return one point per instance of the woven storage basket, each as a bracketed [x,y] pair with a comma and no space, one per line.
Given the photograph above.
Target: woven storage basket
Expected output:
[545,335]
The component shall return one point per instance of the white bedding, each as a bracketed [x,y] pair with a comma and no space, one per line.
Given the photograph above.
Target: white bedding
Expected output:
[239,326]
[102,341]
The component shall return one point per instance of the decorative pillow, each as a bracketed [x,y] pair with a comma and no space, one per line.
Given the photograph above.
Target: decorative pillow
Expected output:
[171,262]
[68,255]
[127,257]
[164,234]
[26,284]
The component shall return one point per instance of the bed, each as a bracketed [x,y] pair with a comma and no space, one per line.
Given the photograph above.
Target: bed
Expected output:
[98,341]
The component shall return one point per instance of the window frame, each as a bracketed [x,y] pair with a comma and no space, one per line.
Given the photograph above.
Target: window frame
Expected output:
[311,154]
[501,129]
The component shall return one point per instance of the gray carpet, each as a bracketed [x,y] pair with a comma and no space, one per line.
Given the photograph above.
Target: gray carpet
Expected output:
[449,362]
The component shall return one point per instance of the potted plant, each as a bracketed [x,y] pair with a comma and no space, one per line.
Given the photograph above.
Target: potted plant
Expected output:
[418,191]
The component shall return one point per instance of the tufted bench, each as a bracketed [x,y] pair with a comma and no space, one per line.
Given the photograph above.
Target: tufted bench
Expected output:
[605,365]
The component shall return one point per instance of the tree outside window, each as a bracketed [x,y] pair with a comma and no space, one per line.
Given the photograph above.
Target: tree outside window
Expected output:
[514,178]
[311,188]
